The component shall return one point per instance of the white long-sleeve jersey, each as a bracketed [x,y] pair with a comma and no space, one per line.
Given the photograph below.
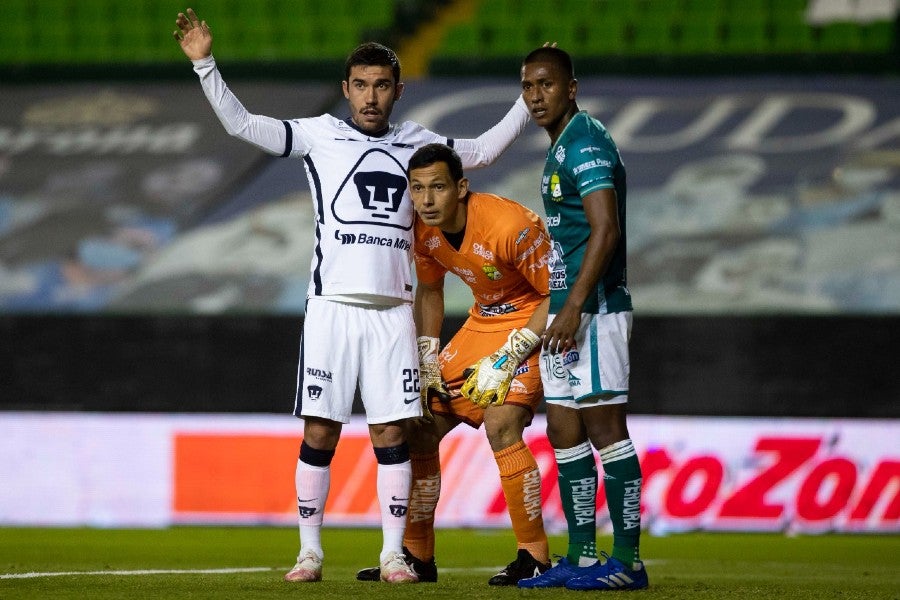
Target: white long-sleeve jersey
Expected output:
[364,215]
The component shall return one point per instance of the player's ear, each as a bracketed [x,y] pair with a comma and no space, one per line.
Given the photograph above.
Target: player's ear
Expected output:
[346,88]
[573,89]
[463,188]
[399,90]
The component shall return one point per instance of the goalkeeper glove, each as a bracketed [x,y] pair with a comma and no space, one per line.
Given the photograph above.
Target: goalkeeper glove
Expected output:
[430,373]
[488,380]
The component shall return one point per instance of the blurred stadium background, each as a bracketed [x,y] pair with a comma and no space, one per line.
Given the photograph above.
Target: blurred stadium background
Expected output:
[149,263]
[816,33]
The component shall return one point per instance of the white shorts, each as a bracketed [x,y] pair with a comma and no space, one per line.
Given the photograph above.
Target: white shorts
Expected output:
[345,344]
[596,371]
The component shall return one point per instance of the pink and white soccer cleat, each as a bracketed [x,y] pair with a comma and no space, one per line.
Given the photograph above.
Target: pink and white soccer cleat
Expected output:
[395,570]
[308,568]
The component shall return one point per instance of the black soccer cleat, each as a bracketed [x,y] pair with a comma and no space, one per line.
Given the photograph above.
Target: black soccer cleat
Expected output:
[427,571]
[523,567]
[369,574]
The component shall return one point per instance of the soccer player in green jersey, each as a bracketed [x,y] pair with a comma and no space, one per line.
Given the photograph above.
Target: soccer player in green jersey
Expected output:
[584,358]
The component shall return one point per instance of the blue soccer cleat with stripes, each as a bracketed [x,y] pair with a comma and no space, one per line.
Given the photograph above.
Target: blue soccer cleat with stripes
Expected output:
[611,575]
[560,573]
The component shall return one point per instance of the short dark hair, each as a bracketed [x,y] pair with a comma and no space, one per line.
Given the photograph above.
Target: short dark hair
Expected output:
[557,56]
[373,54]
[435,153]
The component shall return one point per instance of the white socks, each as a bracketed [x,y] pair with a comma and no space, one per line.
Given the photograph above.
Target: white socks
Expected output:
[394,482]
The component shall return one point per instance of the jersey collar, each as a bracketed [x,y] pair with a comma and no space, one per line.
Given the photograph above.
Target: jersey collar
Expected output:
[377,134]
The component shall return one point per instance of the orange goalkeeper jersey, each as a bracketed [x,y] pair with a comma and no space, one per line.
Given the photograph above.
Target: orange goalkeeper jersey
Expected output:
[504,258]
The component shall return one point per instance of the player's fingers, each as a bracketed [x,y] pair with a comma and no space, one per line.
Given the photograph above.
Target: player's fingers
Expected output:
[561,342]
[549,339]
[551,342]
[195,22]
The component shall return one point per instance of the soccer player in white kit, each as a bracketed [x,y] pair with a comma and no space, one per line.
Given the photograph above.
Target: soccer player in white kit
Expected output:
[358,327]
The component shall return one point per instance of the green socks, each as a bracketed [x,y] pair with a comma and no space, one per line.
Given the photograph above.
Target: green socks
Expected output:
[578,492]
[622,482]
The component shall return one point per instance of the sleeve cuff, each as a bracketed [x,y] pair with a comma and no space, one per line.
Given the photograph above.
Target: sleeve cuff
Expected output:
[209,61]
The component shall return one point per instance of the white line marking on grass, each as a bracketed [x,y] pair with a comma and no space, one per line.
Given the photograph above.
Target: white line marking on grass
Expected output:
[137,572]
[470,569]
[226,571]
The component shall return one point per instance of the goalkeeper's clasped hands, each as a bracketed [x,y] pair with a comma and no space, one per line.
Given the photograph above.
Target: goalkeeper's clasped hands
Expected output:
[489,379]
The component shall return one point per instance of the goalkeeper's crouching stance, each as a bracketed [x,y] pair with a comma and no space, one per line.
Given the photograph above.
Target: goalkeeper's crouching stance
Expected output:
[489,371]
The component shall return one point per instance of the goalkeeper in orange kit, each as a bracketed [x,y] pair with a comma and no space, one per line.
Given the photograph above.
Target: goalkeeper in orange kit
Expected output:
[488,372]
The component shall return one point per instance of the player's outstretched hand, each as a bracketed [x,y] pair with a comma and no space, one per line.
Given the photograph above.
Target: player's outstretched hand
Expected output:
[488,380]
[193,35]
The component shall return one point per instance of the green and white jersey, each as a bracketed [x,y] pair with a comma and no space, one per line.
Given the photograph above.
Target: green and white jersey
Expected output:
[584,159]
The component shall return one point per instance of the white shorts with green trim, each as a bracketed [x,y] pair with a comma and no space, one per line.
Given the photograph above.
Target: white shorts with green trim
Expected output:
[595,372]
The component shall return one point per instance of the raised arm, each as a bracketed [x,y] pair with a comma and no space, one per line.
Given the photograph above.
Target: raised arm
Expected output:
[488,146]
[193,35]
[195,39]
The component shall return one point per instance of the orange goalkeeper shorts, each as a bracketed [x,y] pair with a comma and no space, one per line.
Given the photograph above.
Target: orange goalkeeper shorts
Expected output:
[465,349]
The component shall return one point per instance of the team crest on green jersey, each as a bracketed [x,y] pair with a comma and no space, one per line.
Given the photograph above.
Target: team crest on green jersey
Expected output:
[555,189]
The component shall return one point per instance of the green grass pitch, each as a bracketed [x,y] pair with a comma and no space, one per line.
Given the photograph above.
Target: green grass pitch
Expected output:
[248,562]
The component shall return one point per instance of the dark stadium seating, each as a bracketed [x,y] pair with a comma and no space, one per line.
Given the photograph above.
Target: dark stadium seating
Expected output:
[109,31]
[672,27]
[139,31]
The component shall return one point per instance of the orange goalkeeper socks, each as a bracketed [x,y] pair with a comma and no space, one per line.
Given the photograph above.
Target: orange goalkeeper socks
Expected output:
[521,482]
[424,495]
